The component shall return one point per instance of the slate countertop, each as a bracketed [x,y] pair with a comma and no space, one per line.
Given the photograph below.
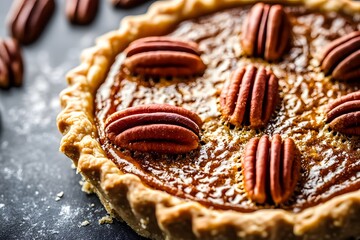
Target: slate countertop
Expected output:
[32,170]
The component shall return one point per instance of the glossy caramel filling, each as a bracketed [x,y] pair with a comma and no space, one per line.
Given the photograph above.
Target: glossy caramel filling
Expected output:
[211,175]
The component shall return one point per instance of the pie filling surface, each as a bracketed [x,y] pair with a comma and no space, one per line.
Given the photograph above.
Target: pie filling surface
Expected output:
[212,174]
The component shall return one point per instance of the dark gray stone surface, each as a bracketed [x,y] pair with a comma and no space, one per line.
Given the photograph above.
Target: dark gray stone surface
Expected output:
[32,170]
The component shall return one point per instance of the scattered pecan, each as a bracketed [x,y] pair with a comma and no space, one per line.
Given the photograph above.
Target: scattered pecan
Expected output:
[11,63]
[343,115]
[266,32]
[270,169]
[341,57]
[28,18]
[249,96]
[163,56]
[160,128]
[81,11]
[127,3]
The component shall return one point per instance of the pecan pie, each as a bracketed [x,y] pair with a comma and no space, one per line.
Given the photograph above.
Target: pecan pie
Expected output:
[223,120]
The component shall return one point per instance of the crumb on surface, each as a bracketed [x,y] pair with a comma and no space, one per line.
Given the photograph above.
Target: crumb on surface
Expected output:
[59,196]
[106,220]
[84,223]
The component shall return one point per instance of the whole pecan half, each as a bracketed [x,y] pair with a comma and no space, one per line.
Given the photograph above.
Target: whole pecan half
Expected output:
[343,115]
[160,128]
[270,169]
[266,32]
[81,11]
[28,18]
[249,96]
[11,63]
[341,57]
[163,56]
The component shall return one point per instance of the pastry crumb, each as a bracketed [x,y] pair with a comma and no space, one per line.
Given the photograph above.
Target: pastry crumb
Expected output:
[59,196]
[84,223]
[106,220]
[86,187]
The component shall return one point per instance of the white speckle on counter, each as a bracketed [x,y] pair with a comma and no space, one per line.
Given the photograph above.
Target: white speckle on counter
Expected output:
[65,213]
[7,173]
[4,144]
[2,205]
[54,103]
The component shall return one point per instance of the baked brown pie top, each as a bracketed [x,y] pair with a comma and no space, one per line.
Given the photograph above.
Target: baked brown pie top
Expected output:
[159,214]
[212,174]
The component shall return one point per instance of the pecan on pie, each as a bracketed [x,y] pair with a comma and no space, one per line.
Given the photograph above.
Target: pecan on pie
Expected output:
[223,120]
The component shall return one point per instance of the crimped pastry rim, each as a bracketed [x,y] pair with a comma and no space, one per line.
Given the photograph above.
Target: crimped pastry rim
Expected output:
[156,214]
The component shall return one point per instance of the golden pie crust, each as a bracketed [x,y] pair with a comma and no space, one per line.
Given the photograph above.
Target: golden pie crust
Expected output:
[159,215]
